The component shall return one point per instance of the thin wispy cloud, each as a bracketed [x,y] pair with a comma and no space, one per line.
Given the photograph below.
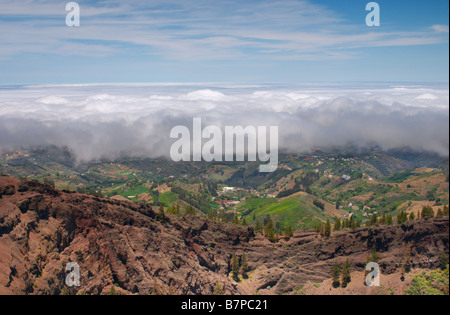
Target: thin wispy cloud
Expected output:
[195,30]
[440,28]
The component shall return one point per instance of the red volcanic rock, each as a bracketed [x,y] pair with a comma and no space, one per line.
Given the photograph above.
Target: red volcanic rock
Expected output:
[122,245]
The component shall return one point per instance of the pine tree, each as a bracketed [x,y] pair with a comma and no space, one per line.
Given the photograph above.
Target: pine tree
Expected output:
[272,236]
[402,217]
[235,267]
[258,227]
[327,229]
[344,224]
[443,262]
[161,214]
[446,211]
[289,231]
[319,228]
[406,264]
[337,225]
[371,258]
[351,223]
[412,217]
[269,226]
[383,219]
[235,220]
[427,212]
[373,220]
[278,227]
[244,266]
[174,210]
[269,231]
[389,220]
[190,210]
[440,213]
[336,277]
[346,277]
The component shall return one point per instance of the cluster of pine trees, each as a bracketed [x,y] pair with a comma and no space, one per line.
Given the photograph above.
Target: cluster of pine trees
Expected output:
[190,210]
[239,266]
[325,229]
[341,278]
[227,219]
[346,224]
[176,210]
[339,225]
[426,213]
[272,231]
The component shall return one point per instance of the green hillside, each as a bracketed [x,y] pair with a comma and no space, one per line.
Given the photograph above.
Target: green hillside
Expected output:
[294,211]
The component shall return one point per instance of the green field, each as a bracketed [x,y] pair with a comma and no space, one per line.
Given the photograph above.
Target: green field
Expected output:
[294,211]
[168,199]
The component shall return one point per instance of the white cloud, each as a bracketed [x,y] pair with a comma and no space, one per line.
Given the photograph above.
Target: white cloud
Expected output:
[204,95]
[427,96]
[52,100]
[109,121]
[440,28]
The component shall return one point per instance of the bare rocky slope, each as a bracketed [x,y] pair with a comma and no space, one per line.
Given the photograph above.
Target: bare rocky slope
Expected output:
[125,245]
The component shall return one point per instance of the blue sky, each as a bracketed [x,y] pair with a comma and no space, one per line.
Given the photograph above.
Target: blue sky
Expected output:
[223,41]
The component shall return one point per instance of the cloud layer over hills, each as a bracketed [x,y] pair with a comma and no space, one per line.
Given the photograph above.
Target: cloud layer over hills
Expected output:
[111,121]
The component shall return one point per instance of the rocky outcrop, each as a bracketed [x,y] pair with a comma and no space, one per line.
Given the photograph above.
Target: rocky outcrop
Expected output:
[126,246]
[308,257]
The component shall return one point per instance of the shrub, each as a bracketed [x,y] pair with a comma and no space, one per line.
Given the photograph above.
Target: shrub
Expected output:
[218,289]
[430,283]
[319,204]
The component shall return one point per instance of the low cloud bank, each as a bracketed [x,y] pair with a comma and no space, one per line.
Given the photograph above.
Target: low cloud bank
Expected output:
[113,121]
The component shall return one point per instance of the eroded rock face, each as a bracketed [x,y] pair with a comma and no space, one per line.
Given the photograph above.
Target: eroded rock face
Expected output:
[123,245]
[308,257]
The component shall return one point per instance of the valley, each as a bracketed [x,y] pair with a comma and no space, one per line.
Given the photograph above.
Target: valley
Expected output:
[305,191]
